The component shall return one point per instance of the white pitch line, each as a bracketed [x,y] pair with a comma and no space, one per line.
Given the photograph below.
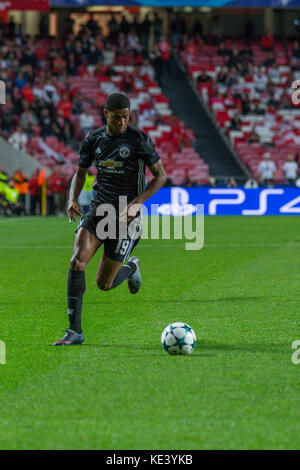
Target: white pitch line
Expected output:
[17,219]
[159,245]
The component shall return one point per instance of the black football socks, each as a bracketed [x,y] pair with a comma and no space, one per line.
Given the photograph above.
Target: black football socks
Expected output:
[76,289]
[124,274]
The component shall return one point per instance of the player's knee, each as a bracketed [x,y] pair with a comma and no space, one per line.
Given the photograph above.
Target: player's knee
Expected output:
[76,264]
[103,284]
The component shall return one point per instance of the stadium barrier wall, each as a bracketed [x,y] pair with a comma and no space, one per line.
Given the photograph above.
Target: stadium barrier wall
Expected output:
[12,159]
[225,201]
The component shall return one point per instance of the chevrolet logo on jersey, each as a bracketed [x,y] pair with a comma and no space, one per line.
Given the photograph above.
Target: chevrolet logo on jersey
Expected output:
[111,163]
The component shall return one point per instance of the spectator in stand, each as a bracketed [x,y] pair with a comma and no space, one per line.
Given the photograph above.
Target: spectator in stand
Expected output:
[222,50]
[273,102]
[253,137]
[267,41]
[295,53]
[109,55]
[285,101]
[4,177]
[58,64]
[8,116]
[65,128]
[156,61]
[71,65]
[297,158]
[65,106]
[46,123]
[245,104]
[249,29]
[87,121]
[18,139]
[20,80]
[232,183]
[114,28]
[145,32]
[35,193]
[58,189]
[125,25]
[236,123]
[50,94]
[251,183]
[86,194]
[3,133]
[157,27]
[127,83]
[197,28]
[266,169]
[234,58]
[270,60]
[222,75]
[260,81]
[203,77]
[274,73]
[147,69]
[258,109]
[165,49]
[133,41]
[290,169]
[134,119]
[21,185]
[28,58]
[11,204]
[122,49]
[78,104]
[27,93]
[93,57]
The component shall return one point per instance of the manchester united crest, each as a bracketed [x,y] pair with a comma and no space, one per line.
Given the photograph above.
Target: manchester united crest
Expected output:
[124,152]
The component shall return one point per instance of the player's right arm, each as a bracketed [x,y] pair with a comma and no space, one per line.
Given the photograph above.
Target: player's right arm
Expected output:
[78,181]
[84,162]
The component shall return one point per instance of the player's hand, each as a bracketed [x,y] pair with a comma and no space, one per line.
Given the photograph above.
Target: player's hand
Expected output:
[131,211]
[73,210]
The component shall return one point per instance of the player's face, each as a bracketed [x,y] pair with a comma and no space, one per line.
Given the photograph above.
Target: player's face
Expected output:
[117,120]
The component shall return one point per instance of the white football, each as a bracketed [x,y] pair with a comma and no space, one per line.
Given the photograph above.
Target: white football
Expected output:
[178,338]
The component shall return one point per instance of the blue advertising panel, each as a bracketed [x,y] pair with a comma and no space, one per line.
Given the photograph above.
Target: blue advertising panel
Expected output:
[225,201]
[178,3]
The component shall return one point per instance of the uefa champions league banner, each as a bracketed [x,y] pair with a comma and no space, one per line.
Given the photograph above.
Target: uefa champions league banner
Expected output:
[178,3]
[224,201]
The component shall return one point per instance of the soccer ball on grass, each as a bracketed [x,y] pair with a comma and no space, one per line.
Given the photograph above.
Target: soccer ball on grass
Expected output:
[178,338]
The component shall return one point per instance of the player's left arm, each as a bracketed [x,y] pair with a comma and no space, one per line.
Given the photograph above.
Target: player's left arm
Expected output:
[159,173]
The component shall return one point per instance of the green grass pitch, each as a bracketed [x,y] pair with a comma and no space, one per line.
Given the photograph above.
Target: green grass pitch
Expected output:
[120,390]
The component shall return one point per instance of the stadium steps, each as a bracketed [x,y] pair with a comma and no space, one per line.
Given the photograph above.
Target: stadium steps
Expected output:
[209,143]
[11,159]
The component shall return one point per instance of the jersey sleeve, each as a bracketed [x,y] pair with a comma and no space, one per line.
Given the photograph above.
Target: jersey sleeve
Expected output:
[86,157]
[148,152]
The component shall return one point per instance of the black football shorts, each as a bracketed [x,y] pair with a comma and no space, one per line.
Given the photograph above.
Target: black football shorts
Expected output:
[117,249]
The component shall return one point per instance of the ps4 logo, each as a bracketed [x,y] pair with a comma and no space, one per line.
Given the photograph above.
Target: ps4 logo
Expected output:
[264,194]
[226,201]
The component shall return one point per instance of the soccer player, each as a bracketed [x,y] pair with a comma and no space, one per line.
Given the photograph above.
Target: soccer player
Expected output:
[120,153]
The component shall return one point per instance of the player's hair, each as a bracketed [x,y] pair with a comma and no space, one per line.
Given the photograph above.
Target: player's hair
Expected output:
[117,101]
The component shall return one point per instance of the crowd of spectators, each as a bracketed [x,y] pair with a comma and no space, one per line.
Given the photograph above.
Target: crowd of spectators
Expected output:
[44,101]
[248,85]
[47,111]
[21,194]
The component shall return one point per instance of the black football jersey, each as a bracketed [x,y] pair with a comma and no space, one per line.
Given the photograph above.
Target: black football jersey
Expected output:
[120,161]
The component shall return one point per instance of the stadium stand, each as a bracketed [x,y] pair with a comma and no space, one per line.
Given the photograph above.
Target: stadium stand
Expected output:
[55,90]
[247,88]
